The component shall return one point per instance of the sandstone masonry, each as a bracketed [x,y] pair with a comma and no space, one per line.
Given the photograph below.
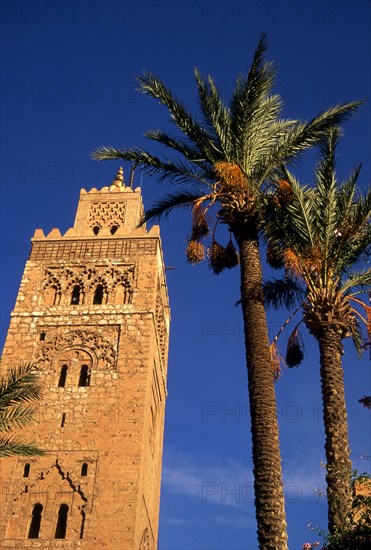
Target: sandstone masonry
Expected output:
[92,313]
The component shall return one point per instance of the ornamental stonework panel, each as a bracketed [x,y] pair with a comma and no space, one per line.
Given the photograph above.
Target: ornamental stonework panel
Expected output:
[88,284]
[79,346]
[106,214]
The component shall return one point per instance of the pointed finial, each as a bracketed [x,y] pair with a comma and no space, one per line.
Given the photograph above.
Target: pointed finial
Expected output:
[119,179]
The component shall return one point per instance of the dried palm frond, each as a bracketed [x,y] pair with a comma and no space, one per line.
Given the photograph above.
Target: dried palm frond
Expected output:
[294,351]
[231,256]
[195,252]
[275,359]
[368,312]
[200,227]
[217,258]
[274,257]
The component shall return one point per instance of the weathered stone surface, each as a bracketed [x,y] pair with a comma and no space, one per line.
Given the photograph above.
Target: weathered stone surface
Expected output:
[92,313]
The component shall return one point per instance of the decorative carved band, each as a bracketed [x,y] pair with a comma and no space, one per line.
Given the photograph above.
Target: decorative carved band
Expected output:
[107,249]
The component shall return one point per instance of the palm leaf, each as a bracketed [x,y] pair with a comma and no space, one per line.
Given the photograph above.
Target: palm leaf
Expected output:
[152,86]
[361,280]
[14,446]
[20,386]
[170,202]
[305,135]
[280,293]
[16,416]
[171,171]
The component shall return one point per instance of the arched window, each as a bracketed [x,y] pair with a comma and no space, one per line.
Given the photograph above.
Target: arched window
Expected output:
[75,297]
[114,229]
[60,531]
[42,336]
[96,229]
[84,379]
[98,295]
[63,376]
[84,469]
[26,470]
[35,525]
[52,296]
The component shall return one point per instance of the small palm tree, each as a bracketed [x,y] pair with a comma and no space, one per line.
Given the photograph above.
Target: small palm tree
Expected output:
[18,389]
[320,236]
[226,158]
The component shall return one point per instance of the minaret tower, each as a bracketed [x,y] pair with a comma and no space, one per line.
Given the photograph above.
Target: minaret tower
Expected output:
[92,314]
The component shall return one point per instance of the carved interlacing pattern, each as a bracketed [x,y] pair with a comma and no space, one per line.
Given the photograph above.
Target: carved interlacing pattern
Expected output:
[107,214]
[102,347]
[87,278]
[161,323]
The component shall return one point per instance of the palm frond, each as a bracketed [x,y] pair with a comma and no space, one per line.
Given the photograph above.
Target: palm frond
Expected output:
[14,446]
[181,146]
[215,114]
[152,86]
[302,214]
[16,416]
[361,279]
[357,337]
[171,171]
[170,202]
[305,135]
[280,293]
[253,106]
[19,387]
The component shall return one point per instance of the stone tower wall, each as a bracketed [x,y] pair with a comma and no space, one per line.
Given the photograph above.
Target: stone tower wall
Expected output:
[102,421]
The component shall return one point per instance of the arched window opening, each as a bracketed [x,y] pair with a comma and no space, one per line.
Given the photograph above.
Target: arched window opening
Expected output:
[63,376]
[84,469]
[114,229]
[35,525]
[42,336]
[64,416]
[98,295]
[123,294]
[60,531]
[26,470]
[52,296]
[75,297]
[96,229]
[84,379]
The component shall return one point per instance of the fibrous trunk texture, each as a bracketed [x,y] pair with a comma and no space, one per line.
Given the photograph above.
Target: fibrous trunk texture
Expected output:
[339,466]
[269,497]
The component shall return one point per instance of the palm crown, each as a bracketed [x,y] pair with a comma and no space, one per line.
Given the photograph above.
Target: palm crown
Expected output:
[322,236]
[230,151]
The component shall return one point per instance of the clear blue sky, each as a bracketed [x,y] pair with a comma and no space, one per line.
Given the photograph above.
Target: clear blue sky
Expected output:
[68,72]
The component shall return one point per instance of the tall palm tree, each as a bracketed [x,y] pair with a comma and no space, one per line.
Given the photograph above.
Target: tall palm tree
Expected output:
[17,390]
[321,235]
[225,157]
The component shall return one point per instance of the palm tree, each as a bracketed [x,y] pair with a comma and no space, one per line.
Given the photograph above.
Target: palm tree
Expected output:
[321,236]
[18,389]
[226,156]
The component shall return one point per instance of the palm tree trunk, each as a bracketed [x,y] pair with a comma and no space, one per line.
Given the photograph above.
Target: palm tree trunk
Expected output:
[269,498]
[336,428]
